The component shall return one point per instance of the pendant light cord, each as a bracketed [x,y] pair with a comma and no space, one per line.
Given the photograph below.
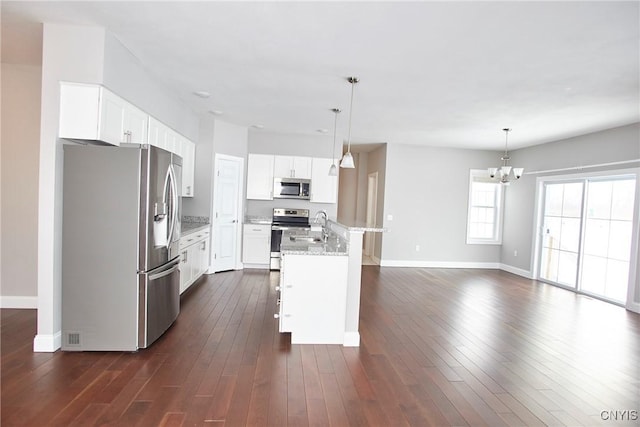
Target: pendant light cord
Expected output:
[353,81]
[506,141]
[335,126]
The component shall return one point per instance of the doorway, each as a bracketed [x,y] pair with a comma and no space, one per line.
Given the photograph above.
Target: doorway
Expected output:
[372,203]
[587,229]
[227,205]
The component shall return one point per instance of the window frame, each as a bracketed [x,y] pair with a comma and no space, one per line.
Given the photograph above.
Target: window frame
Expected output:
[482,176]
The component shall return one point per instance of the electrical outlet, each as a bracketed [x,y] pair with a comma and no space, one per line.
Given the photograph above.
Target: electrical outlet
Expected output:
[515,252]
[389,217]
[417,248]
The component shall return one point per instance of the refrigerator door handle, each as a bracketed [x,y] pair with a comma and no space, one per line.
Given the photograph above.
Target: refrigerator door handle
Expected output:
[174,203]
[164,273]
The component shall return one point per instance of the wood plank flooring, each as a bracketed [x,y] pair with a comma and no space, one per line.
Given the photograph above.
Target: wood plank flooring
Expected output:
[439,348]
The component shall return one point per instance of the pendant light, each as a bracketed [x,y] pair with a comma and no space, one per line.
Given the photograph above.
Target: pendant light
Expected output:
[504,171]
[347,159]
[333,170]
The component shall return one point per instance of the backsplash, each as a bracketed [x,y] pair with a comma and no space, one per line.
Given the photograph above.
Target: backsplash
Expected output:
[196,219]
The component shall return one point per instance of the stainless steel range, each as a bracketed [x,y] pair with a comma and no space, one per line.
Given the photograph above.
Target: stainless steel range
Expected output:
[285,219]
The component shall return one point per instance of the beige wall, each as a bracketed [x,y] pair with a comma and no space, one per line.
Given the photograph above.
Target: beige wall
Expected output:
[19,156]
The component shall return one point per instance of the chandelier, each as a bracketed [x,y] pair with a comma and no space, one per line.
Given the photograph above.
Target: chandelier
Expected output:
[504,172]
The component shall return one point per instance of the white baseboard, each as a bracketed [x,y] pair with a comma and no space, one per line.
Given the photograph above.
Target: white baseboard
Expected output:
[634,306]
[47,343]
[257,266]
[18,302]
[516,271]
[438,264]
[351,339]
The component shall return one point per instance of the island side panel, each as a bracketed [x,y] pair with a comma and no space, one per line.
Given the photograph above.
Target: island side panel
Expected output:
[352,320]
[314,298]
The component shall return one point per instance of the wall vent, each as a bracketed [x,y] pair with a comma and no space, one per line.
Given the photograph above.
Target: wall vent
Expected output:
[73,338]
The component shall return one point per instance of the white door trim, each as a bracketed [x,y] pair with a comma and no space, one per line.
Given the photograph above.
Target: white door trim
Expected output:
[372,205]
[240,208]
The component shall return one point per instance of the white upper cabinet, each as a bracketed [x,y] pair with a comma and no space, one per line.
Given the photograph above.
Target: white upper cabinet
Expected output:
[324,188]
[260,176]
[187,150]
[292,167]
[158,133]
[92,112]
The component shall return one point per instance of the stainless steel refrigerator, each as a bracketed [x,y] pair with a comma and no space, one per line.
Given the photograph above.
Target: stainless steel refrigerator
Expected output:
[120,254]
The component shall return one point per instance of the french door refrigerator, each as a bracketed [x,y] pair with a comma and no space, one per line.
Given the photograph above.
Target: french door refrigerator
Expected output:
[120,254]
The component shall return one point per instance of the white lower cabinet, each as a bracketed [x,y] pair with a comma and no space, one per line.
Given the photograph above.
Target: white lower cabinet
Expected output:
[313,298]
[194,257]
[256,245]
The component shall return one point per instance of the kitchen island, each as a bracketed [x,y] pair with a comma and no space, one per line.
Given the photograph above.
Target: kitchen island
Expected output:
[320,284]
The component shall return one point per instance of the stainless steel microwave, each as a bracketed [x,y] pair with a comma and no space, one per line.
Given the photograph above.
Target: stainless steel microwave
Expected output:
[292,188]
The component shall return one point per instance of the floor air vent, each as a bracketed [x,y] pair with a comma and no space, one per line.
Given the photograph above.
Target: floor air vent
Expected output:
[73,338]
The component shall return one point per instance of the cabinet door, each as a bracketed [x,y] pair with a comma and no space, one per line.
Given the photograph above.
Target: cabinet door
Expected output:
[313,298]
[283,167]
[203,266]
[135,125]
[302,167]
[173,144]
[256,244]
[79,111]
[324,188]
[111,118]
[260,177]
[188,153]
[157,134]
[185,269]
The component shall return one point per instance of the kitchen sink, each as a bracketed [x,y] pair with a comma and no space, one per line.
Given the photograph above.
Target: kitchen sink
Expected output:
[308,239]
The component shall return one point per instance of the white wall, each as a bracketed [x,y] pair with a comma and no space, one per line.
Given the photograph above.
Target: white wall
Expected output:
[21,87]
[131,80]
[426,191]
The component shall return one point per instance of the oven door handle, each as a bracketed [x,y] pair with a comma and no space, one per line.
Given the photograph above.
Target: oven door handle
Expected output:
[285,227]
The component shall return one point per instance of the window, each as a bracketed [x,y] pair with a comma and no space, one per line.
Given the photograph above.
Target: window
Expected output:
[484,219]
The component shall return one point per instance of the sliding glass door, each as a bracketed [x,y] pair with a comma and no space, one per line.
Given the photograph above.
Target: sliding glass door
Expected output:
[607,238]
[561,233]
[587,228]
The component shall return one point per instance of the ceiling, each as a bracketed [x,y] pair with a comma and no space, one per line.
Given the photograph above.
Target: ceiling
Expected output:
[431,73]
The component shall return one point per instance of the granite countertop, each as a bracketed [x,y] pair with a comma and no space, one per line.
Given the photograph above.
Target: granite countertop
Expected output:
[193,227]
[252,219]
[360,226]
[334,245]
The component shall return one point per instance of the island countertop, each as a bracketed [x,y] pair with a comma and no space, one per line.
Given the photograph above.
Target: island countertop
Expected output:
[293,242]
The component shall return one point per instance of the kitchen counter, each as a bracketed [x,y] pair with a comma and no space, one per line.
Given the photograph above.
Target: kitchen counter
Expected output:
[320,295]
[262,220]
[335,245]
[193,227]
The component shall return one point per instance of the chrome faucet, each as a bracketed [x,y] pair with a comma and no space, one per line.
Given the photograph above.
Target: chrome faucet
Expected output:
[322,213]
[325,232]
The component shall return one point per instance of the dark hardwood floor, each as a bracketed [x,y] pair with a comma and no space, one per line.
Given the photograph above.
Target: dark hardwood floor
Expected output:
[439,348]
